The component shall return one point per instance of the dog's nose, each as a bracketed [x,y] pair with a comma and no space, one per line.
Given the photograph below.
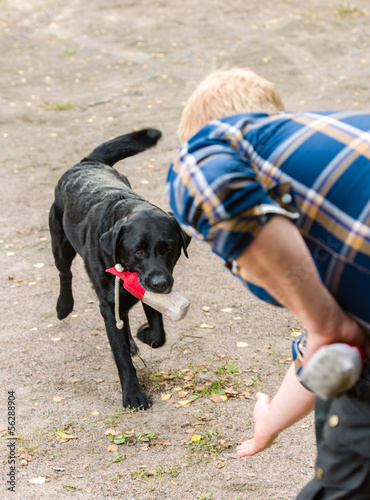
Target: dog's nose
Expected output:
[160,284]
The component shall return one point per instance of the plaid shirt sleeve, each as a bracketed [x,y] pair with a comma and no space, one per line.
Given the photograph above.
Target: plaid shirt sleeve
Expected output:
[216,194]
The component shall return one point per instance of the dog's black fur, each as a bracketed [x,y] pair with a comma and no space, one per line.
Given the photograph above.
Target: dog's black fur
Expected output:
[96,214]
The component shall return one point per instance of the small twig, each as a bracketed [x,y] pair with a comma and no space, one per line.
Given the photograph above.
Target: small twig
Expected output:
[137,354]
[198,337]
[93,104]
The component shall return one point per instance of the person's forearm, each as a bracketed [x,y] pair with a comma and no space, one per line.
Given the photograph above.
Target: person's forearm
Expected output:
[280,260]
[291,403]
[282,263]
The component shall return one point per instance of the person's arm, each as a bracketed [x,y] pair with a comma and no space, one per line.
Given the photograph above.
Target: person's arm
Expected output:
[280,260]
[291,403]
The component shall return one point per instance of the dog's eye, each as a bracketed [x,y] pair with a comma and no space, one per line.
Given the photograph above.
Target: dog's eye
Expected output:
[169,248]
[139,252]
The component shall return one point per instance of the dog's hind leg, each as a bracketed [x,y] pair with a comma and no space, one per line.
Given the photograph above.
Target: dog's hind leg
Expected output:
[64,254]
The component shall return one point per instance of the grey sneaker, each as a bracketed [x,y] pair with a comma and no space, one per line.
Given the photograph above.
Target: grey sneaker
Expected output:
[332,370]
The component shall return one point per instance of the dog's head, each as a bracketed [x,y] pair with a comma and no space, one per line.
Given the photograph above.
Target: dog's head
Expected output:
[149,242]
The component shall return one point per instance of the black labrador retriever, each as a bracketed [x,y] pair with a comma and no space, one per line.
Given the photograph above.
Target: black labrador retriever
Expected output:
[99,216]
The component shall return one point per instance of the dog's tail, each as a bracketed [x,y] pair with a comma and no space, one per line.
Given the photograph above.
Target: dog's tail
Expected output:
[123,146]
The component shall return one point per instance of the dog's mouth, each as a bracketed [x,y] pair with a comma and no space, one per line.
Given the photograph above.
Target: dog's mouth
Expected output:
[157,283]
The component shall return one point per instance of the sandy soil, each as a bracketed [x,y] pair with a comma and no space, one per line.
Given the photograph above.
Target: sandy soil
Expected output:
[74,74]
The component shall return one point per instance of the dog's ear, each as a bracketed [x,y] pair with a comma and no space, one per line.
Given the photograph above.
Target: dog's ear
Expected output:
[109,240]
[185,238]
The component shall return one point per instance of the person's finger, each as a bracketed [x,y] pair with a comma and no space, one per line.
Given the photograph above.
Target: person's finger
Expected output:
[246,449]
[261,397]
[259,394]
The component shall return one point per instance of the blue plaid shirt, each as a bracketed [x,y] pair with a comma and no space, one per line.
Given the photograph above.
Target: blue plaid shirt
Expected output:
[236,173]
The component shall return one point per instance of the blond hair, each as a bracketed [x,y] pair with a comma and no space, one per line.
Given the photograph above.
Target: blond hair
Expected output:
[224,93]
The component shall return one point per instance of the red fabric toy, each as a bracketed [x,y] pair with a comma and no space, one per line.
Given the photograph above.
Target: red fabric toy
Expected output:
[173,305]
[130,282]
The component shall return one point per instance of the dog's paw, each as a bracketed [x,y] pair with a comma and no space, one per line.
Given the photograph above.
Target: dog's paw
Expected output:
[149,336]
[136,400]
[64,307]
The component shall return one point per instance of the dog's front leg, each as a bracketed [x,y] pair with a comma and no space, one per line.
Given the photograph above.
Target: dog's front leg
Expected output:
[152,333]
[133,395]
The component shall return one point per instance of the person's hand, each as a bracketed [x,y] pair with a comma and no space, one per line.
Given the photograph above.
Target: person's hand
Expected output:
[263,434]
[344,330]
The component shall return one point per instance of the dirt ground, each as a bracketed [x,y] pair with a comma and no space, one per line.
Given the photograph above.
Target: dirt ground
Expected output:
[74,74]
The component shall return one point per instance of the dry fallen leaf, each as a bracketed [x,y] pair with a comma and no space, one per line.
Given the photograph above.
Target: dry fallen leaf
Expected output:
[37,480]
[111,431]
[231,392]
[55,339]
[94,413]
[166,442]
[190,431]
[57,399]
[185,402]
[227,309]
[112,447]
[242,344]
[165,397]
[63,435]
[205,325]
[196,438]
[217,398]
[182,394]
